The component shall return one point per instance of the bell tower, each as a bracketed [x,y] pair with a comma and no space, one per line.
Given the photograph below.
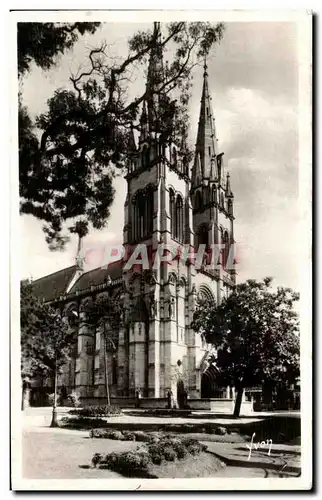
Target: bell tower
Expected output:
[212,197]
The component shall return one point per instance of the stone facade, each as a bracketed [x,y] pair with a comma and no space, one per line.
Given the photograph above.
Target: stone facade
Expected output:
[171,204]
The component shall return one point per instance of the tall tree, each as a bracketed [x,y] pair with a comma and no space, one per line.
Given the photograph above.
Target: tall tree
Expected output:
[256,333]
[105,312]
[68,174]
[46,339]
[43,43]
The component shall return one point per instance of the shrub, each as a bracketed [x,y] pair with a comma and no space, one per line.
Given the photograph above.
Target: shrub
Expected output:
[169,454]
[50,399]
[143,437]
[82,422]
[97,459]
[97,433]
[220,431]
[181,451]
[128,435]
[193,446]
[74,399]
[114,434]
[193,449]
[156,458]
[113,410]
[97,411]
[111,460]
[128,462]
[178,446]
[163,449]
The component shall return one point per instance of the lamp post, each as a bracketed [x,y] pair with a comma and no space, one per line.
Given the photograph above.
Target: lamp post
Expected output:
[54,421]
[106,339]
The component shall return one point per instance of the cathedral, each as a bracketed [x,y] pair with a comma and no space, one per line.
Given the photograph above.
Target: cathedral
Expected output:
[175,205]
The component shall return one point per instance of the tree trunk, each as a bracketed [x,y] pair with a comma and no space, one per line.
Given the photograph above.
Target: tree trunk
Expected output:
[238,402]
[106,370]
[22,397]
[54,421]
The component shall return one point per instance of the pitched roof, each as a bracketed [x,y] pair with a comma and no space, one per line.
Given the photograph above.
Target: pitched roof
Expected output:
[55,284]
[97,276]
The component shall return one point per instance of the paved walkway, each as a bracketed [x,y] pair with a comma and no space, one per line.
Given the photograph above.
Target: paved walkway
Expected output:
[64,453]
[42,417]
[278,457]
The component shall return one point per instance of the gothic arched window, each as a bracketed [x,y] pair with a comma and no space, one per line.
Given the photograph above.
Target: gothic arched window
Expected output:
[172,212]
[206,195]
[174,155]
[214,194]
[179,225]
[222,200]
[202,236]
[225,251]
[143,214]
[149,212]
[145,156]
[230,207]
[198,201]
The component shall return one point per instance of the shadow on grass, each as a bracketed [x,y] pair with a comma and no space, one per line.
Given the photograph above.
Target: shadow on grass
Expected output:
[273,452]
[279,429]
[141,474]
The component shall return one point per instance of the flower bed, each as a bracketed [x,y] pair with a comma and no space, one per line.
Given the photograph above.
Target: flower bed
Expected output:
[97,411]
[136,463]
[82,422]
[139,436]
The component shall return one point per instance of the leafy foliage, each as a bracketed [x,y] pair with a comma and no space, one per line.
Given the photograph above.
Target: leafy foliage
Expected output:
[46,340]
[97,411]
[106,310]
[85,134]
[256,333]
[74,399]
[42,43]
[137,461]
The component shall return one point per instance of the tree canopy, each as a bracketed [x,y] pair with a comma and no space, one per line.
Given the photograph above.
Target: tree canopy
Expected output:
[256,333]
[105,310]
[42,43]
[46,339]
[69,157]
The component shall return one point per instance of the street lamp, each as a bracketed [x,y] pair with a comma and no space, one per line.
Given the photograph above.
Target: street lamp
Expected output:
[107,338]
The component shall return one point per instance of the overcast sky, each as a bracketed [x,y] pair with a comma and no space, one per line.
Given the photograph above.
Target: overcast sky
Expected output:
[253,79]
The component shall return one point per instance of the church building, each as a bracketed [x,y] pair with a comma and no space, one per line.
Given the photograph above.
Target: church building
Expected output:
[168,203]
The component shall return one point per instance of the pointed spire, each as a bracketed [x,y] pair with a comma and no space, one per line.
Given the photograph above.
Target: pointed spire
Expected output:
[213,169]
[79,256]
[131,141]
[144,123]
[155,78]
[206,144]
[196,171]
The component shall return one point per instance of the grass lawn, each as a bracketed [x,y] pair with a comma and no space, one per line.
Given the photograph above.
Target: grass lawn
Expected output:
[67,455]
[202,465]
[62,455]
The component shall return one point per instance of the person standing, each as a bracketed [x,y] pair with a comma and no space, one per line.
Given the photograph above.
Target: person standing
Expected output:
[138,396]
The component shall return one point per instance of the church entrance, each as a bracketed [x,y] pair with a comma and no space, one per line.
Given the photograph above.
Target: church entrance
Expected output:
[208,383]
[180,394]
